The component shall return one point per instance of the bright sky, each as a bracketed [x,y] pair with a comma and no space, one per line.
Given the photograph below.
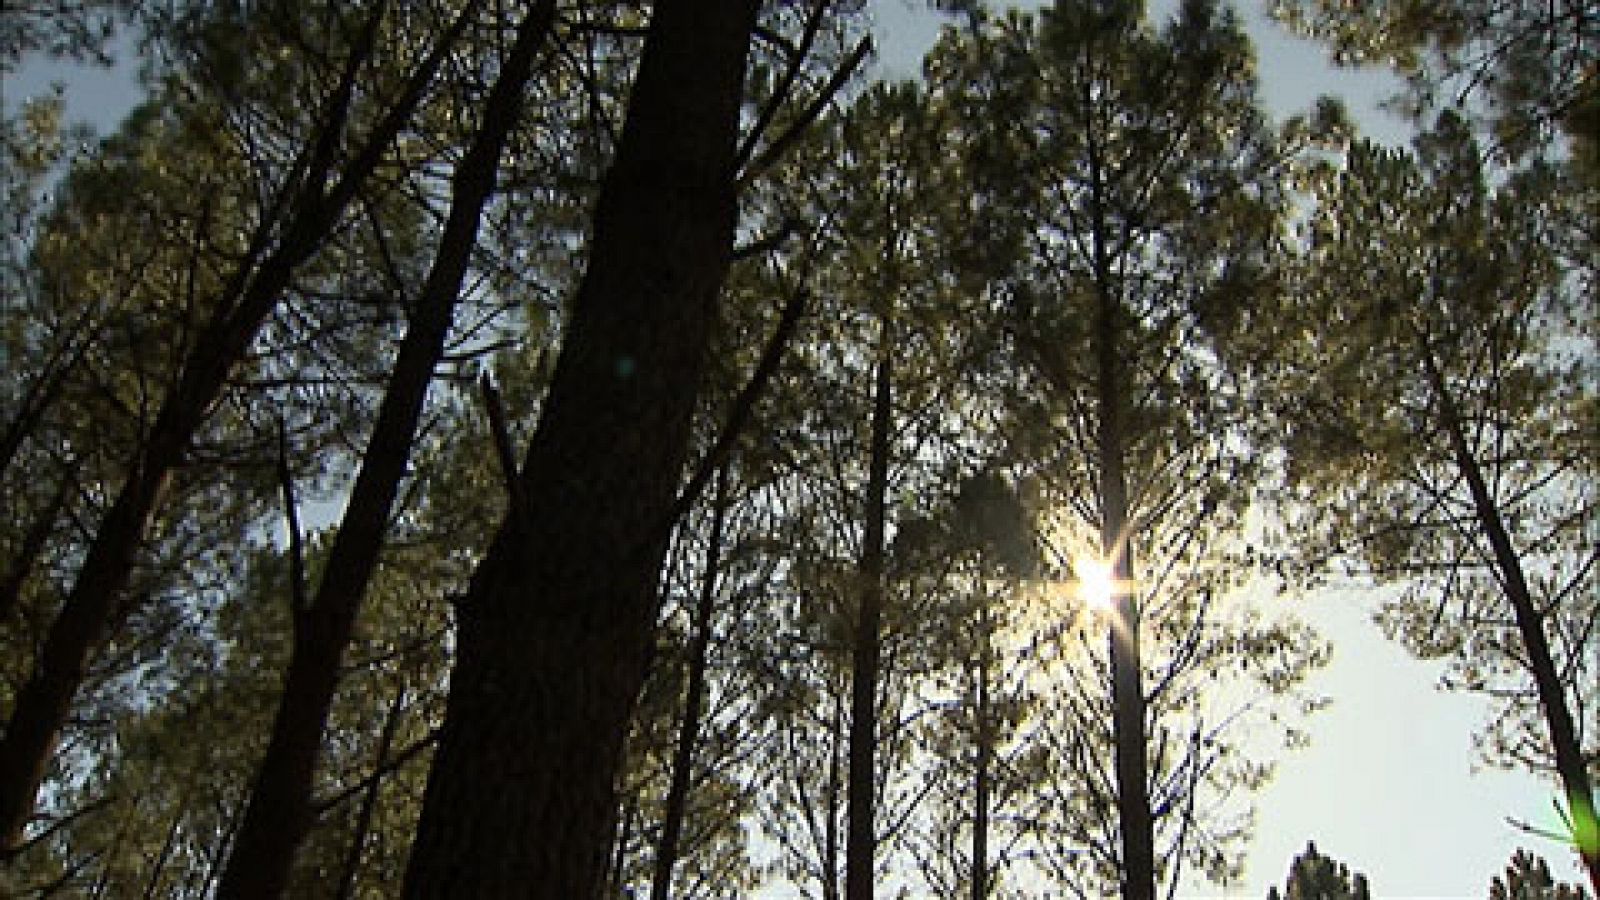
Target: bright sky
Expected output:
[1388,784]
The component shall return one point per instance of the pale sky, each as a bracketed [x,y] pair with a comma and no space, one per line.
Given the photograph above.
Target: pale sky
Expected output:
[1389,784]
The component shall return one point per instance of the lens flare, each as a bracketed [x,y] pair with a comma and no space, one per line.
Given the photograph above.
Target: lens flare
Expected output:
[1097,584]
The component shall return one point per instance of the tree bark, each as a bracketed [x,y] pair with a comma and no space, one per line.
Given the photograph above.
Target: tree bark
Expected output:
[984,738]
[677,802]
[557,626]
[1570,765]
[830,832]
[279,811]
[45,699]
[860,840]
[1136,824]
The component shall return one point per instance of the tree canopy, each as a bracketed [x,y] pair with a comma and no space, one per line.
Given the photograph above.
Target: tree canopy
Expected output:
[591,450]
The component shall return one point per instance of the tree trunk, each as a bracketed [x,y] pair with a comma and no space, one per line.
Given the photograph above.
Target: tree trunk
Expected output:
[861,842]
[677,802]
[556,628]
[279,811]
[45,699]
[153,882]
[34,541]
[984,738]
[830,833]
[1128,716]
[369,800]
[1570,766]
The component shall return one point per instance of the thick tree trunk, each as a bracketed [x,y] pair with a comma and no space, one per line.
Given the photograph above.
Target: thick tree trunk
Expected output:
[557,626]
[45,699]
[1570,765]
[677,803]
[279,812]
[861,842]
[1128,707]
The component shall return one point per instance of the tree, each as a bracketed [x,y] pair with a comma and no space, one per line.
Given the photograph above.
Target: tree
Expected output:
[279,809]
[1531,65]
[1313,876]
[1441,378]
[296,216]
[1527,877]
[78,29]
[1141,233]
[556,628]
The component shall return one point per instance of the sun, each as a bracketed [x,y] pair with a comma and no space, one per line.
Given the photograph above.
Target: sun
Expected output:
[1096,583]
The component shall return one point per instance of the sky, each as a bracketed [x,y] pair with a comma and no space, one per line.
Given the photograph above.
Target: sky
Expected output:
[1390,784]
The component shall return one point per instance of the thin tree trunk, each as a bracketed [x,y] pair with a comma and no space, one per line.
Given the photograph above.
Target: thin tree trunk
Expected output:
[677,802]
[830,838]
[1570,765]
[369,800]
[45,388]
[279,811]
[861,842]
[33,544]
[557,626]
[1136,824]
[985,750]
[159,866]
[91,606]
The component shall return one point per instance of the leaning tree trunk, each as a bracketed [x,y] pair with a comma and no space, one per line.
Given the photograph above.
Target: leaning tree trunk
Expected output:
[557,625]
[676,808]
[861,842]
[279,807]
[89,610]
[1570,765]
[1135,822]
[369,800]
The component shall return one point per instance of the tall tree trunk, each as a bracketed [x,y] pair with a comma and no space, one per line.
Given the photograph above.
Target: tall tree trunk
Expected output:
[1128,707]
[557,626]
[861,842]
[279,812]
[45,699]
[693,702]
[984,738]
[369,799]
[1570,765]
[830,833]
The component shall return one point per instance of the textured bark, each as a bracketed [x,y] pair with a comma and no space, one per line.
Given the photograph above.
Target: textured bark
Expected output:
[1570,767]
[279,811]
[1135,823]
[860,840]
[45,699]
[556,627]
[677,803]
